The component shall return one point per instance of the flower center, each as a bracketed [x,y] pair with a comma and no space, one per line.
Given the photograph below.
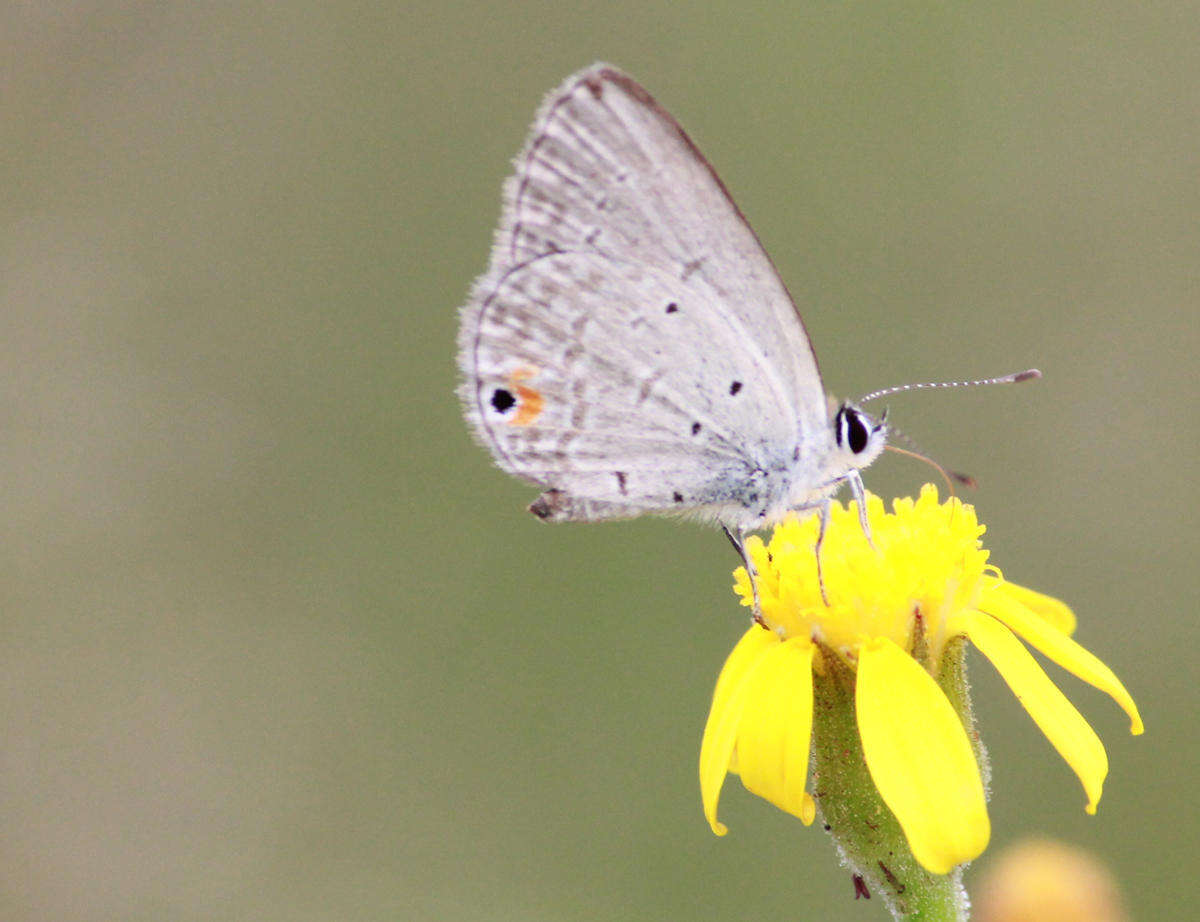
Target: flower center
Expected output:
[927,561]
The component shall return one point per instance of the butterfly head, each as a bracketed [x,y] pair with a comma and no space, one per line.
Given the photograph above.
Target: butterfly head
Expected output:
[860,437]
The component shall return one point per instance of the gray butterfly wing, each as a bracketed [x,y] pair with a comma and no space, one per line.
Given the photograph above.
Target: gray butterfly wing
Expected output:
[631,348]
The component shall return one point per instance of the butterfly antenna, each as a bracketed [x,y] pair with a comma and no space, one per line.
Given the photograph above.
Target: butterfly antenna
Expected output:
[1028,375]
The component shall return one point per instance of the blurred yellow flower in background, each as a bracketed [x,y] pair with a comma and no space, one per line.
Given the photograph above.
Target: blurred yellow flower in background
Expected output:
[1039,880]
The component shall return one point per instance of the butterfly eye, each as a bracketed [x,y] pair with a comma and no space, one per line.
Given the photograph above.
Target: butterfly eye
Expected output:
[850,430]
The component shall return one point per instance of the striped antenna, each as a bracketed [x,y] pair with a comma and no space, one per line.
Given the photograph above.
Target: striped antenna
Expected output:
[1027,375]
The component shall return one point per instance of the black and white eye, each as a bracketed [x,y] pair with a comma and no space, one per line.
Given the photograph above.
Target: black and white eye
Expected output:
[850,430]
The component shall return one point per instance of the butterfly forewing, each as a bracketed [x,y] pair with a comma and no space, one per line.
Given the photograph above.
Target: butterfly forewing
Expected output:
[607,169]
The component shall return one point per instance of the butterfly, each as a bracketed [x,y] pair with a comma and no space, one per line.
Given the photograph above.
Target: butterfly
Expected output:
[632,349]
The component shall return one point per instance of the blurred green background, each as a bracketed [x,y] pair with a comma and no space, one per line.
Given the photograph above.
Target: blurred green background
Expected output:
[280,643]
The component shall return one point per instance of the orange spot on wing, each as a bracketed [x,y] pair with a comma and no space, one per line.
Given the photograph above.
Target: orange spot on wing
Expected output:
[530,408]
[530,400]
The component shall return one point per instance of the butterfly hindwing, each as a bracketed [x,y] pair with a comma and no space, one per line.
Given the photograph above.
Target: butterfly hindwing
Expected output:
[598,378]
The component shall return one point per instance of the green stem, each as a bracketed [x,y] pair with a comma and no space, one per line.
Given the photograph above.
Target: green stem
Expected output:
[952,677]
[867,835]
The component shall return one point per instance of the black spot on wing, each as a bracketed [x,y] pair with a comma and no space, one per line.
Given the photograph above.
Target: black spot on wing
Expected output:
[503,400]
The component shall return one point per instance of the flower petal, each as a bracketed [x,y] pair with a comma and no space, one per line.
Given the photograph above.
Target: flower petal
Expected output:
[920,758]
[1056,613]
[998,603]
[720,732]
[1063,725]
[776,727]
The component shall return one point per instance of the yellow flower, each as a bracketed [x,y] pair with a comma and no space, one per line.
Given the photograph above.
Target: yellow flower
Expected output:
[894,623]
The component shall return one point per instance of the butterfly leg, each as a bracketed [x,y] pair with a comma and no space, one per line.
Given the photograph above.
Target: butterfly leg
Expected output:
[738,540]
[822,524]
[860,499]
